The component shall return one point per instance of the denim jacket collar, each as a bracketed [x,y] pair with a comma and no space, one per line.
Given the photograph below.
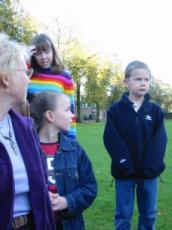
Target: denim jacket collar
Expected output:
[65,143]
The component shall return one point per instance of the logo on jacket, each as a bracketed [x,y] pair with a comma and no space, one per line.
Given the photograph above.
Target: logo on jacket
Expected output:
[148,117]
[122,161]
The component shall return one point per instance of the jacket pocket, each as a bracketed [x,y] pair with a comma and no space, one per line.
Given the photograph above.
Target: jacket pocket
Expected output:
[72,178]
[72,173]
[151,172]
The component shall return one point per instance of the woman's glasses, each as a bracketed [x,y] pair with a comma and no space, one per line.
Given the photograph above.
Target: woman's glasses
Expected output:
[28,72]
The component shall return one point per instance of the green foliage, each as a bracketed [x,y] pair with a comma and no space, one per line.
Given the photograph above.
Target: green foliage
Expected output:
[117,87]
[100,215]
[76,59]
[98,78]
[14,22]
[90,71]
[162,94]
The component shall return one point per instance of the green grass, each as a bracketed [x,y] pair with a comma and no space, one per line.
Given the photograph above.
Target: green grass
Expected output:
[100,215]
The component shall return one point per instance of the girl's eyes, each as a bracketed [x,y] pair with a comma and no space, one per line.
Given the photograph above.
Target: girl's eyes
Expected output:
[39,53]
[36,53]
[47,51]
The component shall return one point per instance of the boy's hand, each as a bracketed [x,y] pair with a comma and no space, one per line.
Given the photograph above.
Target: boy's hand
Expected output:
[58,203]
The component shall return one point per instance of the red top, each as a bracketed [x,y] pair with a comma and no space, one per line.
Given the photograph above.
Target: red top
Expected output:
[50,149]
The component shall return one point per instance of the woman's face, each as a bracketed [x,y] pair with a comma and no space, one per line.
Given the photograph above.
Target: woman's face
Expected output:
[19,82]
[44,57]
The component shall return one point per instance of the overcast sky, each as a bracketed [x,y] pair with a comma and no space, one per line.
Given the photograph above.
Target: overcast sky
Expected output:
[131,29]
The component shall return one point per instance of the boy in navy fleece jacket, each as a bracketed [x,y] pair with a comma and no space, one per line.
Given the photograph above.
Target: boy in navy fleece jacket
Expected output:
[135,139]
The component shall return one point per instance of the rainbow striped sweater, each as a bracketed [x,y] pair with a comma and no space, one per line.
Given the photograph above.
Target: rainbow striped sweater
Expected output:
[61,83]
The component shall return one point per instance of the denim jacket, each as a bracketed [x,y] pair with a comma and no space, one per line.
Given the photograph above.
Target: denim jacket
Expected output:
[75,180]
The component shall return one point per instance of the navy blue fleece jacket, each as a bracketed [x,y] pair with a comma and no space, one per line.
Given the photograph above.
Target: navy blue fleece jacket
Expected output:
[135,141]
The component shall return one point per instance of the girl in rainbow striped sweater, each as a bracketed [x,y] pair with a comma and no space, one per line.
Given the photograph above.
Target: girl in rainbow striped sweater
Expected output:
[49,73]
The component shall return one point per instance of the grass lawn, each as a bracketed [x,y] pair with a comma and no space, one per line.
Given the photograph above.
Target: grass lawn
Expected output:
[100,215]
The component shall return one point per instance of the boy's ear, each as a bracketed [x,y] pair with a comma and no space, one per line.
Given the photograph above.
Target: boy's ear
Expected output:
[49,116]
[125,81]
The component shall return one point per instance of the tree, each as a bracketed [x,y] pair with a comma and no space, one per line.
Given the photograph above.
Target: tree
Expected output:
[116,87]
[62,33]
[94,73]
[99,76]
[156,91]
[167,104]
[162,94]
[76,59]
[14,22]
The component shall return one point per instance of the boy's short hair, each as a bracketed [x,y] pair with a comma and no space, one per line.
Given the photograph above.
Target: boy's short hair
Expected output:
[135,65]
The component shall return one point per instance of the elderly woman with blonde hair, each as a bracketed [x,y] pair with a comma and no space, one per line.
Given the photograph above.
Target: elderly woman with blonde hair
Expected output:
[24,199]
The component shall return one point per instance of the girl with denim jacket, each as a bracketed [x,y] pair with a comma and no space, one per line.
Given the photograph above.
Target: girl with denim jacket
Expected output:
[72,184]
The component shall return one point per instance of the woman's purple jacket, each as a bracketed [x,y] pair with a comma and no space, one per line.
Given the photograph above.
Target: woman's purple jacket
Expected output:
[29,146]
